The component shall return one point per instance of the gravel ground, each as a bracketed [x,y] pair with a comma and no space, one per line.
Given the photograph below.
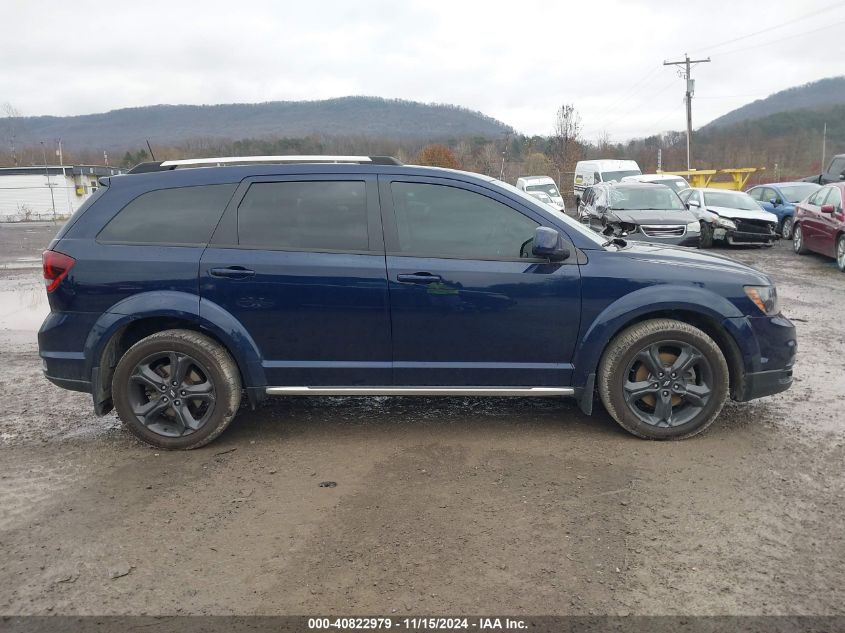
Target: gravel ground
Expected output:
[449,506]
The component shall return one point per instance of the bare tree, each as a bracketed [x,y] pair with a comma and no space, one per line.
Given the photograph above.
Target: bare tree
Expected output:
[603,142]
[566,137]
[11,128]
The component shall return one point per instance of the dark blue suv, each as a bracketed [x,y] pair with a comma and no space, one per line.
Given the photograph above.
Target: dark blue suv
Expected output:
[180,287]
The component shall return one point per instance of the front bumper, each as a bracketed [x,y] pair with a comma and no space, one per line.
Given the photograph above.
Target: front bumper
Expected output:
[688,239]
[763,383]
[738,238]
[768,347]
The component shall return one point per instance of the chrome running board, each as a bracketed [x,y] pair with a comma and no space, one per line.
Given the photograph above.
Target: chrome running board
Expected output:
[421,391]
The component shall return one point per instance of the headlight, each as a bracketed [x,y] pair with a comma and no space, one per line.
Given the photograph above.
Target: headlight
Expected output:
[765,298]
[725,223]
[693,227]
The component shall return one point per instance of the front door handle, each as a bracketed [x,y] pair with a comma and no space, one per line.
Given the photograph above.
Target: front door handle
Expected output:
[419,278]
[232,272]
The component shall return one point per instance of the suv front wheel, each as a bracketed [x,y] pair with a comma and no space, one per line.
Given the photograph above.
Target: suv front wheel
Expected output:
[176,389]
[663,380]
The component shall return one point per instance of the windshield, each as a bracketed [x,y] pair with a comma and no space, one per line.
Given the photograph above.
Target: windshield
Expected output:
[607,176]
[675,185]
[796,193]
[642,198]
[547,188]
[730,200]
[571,225]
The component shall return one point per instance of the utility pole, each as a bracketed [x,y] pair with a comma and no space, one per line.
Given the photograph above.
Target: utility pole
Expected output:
[687,62]
[47,174]
[824,145]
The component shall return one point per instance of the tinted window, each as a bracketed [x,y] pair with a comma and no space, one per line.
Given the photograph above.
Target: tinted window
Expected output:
[318,215]
[184,215]
[436,220]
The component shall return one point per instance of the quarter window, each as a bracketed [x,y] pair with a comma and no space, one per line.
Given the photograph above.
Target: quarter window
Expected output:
[182,215]
[438,220]
[311,215]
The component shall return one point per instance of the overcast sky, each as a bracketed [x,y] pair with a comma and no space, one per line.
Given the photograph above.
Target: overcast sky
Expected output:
[516,61]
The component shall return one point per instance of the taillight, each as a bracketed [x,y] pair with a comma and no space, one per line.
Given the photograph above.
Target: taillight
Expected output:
[56,267]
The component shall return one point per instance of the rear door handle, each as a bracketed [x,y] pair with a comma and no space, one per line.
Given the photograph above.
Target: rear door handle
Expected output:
[232,272]
[419,278]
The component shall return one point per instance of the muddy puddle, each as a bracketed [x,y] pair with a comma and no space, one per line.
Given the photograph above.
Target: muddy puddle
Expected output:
[23,304]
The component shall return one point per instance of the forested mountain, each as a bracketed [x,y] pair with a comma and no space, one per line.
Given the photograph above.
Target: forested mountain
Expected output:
[817,95]
[344,117]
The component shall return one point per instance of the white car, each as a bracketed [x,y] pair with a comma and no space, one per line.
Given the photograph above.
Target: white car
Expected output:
[676,183]
[542,184]
[730,216]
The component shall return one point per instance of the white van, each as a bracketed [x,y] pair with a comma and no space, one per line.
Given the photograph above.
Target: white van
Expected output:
[676,183]
[533,185]
[591,172]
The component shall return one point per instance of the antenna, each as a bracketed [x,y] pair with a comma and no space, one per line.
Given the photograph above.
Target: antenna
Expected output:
[153,156]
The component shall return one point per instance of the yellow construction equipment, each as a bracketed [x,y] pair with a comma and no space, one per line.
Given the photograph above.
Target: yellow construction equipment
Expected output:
[705,177]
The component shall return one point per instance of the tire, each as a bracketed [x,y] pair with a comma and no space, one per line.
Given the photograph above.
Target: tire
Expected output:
[706,238]
[840,253]
[146,398]
[693,399]
[786,228]
[798,240]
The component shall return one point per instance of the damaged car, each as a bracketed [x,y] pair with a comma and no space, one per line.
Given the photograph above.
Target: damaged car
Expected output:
[643,212]
[732,217]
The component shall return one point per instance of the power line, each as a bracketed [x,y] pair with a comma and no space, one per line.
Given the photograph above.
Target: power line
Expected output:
[778,41]
[830,7]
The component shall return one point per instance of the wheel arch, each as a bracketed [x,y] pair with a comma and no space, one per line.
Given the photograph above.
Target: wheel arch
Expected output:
[704,310]
[141,315]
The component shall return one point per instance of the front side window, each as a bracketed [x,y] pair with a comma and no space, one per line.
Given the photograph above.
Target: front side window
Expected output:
[756,193]
[178,216]
[835,198]
[818,197]
[310,215]
[438,220]
[837,166]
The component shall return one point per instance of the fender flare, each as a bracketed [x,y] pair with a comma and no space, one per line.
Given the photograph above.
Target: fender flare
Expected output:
[180,305]
[635,305]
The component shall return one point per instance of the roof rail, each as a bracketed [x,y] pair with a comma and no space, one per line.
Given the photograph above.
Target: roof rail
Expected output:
[166,165]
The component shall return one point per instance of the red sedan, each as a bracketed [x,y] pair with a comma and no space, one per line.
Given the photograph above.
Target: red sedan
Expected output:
[820,224]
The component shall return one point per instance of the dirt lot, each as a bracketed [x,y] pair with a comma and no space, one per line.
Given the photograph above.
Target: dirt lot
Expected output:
[441,506]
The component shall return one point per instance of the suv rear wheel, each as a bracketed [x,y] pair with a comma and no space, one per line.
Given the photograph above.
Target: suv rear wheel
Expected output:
[663,380]
[176,389]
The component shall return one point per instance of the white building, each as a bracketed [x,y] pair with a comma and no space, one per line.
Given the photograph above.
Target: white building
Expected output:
[44,193]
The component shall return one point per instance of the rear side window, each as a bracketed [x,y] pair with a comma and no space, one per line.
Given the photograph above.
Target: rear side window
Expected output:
[316,215]
[438,220]
[179,216]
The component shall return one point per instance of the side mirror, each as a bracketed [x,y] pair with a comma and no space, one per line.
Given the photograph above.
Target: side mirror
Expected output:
[842,176]
[548,243]
[774,202]
[827,208]
[693,203]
